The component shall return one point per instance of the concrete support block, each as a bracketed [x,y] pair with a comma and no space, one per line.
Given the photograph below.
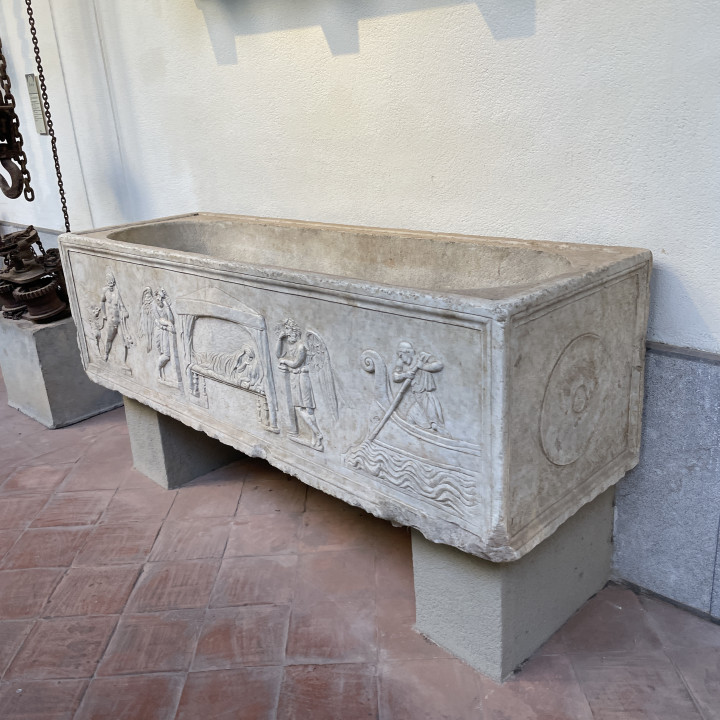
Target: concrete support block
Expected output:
[44,375]
[495,615]
[169,452]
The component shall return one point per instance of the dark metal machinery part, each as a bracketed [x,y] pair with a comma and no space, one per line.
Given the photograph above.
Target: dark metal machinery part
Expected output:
[12,155]
[31,284]
[48,116]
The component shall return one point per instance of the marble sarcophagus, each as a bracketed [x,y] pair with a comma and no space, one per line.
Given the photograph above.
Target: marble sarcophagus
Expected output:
[478,389]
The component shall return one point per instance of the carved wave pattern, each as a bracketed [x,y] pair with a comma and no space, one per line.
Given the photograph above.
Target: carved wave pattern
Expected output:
[450,489]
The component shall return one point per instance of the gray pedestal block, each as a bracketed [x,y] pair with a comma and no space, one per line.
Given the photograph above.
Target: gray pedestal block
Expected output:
[169,452]
[495,615]
[44,375]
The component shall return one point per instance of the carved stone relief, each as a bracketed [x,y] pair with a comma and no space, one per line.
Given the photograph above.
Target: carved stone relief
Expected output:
[415,371]
[304,363]
[573,401]
[108,321]
[498,415]
[407,444]
[246,366]
[157,326]
[240,368]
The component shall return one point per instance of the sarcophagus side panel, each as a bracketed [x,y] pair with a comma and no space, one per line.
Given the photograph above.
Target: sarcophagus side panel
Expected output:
[374,404]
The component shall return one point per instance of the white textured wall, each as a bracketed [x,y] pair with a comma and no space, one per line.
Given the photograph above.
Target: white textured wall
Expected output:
[554,120]
[17,47]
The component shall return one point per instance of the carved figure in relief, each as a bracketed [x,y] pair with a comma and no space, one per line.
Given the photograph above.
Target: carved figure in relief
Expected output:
[299,360]
[115,317]
[414,370]
[240,368]
[406,445]
[96,321]
[157,323]
[225,341]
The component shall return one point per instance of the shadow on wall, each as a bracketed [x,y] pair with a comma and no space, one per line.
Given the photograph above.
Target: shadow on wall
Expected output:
[226,19]
[689,312]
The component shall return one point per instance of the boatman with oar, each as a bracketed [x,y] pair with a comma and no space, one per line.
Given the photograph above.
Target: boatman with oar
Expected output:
[415,371]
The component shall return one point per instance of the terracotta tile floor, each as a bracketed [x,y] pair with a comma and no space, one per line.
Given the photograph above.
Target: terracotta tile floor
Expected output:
[245,596]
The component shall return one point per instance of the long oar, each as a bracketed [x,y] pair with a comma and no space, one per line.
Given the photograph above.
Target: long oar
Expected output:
[390,411]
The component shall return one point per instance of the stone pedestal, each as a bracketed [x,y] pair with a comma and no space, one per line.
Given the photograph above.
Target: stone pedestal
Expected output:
[495,615]
[44,375]
[169,452]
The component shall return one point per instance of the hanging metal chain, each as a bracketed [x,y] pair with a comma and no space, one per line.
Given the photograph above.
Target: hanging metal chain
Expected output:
[15,138]
[48,116]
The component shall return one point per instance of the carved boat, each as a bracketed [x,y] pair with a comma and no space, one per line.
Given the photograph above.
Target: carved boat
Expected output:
[424,462]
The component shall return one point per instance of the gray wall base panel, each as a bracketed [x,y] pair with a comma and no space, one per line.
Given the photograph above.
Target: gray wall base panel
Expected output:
[668,507]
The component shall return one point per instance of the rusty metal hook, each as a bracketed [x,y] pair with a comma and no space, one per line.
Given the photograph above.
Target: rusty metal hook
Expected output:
[15,187]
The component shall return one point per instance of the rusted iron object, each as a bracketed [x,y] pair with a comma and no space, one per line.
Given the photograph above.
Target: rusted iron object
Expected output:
[33,279]
[42,300]
[53,267]
[23,264]
[12,155]
[10,307]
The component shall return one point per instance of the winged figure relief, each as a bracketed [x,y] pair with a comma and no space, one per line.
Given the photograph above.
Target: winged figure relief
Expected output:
[157,327]
[304,361]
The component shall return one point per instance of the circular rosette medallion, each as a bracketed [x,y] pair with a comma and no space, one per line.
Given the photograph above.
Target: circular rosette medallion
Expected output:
[574,399]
